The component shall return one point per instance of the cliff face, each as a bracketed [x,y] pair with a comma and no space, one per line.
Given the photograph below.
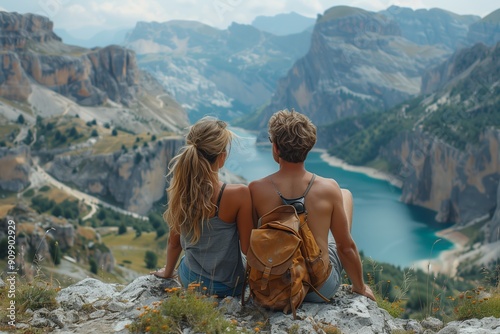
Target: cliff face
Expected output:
[358,62]
[14,83]
[15,166]
[18,30]
[136,180]
[459,185]
[89,77]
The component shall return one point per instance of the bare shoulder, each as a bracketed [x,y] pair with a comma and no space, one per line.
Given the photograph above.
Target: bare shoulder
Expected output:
[327,185]
[237,189]
[257,184]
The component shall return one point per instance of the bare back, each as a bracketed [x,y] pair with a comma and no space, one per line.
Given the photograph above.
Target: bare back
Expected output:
[323,201]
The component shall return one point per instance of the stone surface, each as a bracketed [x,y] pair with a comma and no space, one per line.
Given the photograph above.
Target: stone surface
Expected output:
[351,313]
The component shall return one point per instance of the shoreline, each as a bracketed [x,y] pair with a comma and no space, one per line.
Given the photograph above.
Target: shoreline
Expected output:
[368,171]
[447,262]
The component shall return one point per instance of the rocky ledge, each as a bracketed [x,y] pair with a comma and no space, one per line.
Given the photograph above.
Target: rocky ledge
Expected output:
[91,306]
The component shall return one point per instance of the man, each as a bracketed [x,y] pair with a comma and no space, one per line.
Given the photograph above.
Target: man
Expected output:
[329,208]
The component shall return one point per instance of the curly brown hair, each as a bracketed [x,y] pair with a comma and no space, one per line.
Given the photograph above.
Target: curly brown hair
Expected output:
[293,133]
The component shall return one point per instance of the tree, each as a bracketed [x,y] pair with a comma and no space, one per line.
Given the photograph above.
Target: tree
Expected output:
[94,133]
[122,229]
[20,119]
[114,132]
[3,248]
[138,230]
[160,232]
[56,211]
[55,252]
[151,259]
[73,132]
[93,266]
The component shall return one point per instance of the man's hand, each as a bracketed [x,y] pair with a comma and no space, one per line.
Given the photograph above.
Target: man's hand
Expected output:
[365,291]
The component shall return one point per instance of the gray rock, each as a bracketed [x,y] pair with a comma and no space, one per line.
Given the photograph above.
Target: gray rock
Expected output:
[117,307]
[58,317]
[432,324]
[97,314]
[41,319]
[449,330]
[86,291]
[2,284]
[348,312]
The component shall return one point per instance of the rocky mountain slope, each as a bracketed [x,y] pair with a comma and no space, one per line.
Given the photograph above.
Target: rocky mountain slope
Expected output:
[444,145]
[48,77]
[210,71]
[359,61]
[486,30]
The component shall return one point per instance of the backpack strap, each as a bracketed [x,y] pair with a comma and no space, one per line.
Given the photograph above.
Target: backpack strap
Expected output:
[218,200]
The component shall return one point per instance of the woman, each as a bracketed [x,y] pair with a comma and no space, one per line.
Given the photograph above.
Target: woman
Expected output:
[209,220]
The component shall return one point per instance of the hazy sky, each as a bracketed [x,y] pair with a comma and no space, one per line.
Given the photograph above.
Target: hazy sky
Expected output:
[83,18]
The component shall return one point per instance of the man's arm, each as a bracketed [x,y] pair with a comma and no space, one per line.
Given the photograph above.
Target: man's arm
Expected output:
[346,247]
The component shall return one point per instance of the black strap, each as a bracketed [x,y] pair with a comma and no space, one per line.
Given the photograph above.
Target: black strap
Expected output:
[309,185]
[218,199]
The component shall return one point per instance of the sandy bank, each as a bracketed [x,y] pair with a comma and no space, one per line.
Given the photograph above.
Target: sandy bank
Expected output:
[371,172]
[447,262]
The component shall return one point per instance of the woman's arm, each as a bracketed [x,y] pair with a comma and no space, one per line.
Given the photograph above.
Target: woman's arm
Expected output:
[174,250]
[244,219]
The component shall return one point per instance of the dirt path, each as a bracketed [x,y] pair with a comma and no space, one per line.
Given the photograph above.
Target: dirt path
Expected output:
[86,198]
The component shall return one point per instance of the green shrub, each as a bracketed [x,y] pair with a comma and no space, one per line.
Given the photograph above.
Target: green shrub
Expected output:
[151,259]
[183,309]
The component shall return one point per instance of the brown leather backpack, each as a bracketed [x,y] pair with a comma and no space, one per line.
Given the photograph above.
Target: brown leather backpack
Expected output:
[281,261]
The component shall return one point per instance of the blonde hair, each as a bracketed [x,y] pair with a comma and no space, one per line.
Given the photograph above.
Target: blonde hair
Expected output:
[193,178]
[293,133]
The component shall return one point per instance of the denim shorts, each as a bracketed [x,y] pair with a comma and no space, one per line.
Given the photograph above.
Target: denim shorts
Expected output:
[187,277]
[331,285]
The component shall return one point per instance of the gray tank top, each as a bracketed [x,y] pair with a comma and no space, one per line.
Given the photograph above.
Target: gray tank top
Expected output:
[217,254]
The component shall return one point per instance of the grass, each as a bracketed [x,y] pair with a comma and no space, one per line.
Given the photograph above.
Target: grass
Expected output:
[58,195]
[33,295]
[110,144]
[478,303]
[184,308]
[129,250]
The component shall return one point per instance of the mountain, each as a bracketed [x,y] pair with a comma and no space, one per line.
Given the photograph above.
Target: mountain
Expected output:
[486,30]
[210,71]
[358,62]
[283,24]
[443,145]
[432,26]
[81,114]
[101,39]
[51,78]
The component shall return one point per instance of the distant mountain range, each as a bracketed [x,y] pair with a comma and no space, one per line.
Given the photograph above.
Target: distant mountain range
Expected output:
[101,39]
[284,24]
[225,73]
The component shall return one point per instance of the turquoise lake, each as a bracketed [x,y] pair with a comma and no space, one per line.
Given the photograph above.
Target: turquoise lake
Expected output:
[384,228]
